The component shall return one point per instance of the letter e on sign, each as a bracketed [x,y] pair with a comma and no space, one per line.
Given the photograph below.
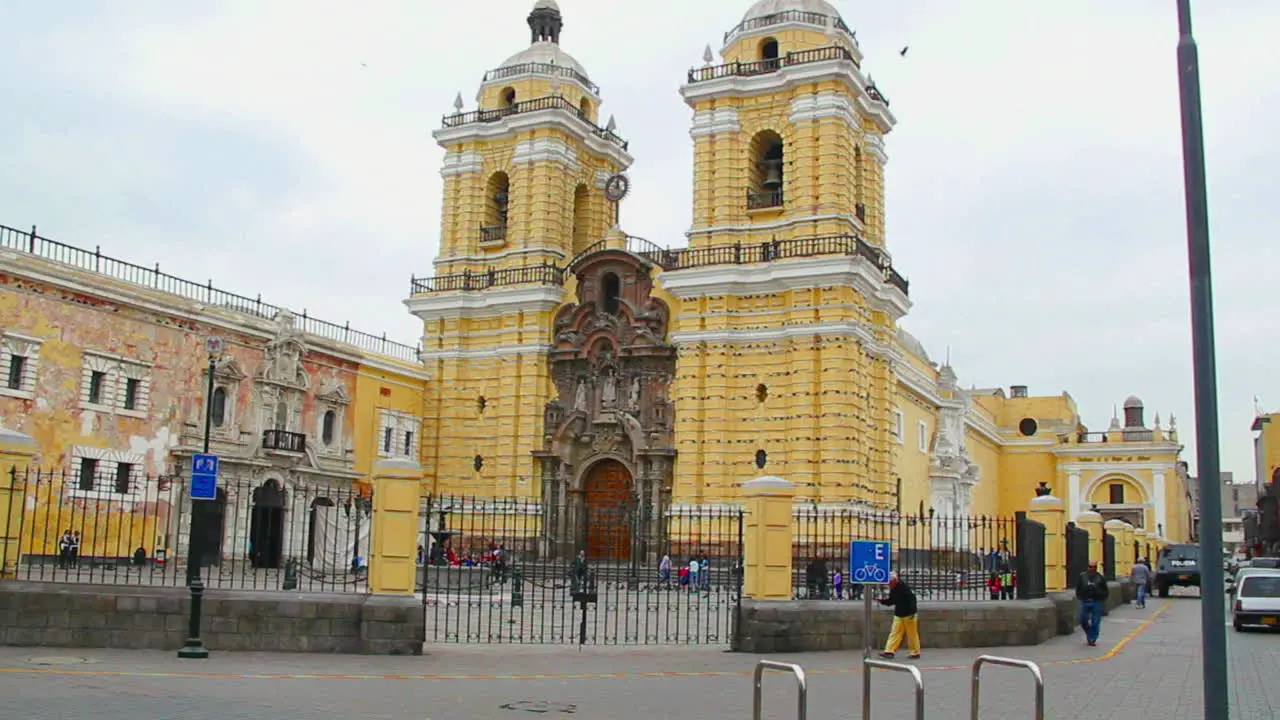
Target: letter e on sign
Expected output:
[879,551]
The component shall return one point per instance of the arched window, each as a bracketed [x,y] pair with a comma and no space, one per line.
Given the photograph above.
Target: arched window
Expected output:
[581,219]
[585,108]
[507,98]
[327,427]
[497,200]
[765,171]
[218,408]
[769,49]
[611,292]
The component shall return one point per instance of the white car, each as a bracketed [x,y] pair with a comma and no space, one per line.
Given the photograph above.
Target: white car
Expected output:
[1257,600]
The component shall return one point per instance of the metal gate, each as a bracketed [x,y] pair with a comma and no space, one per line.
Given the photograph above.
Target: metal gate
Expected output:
[1030,558]
[599,569]
[1108,555]
[1077,553]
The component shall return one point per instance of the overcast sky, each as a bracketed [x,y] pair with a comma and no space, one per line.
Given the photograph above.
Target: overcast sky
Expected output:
[283,147]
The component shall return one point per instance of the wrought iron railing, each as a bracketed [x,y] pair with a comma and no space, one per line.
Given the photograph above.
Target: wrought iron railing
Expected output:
[761,199]
[764,67]
[151,277]
[676,259]
[788,16]
[1091,437]
[529,106]
[493,233]
[467,280]
[541,69]
[284,440]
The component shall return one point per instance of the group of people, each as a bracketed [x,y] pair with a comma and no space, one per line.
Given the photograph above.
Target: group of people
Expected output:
[69,549]
[695,575]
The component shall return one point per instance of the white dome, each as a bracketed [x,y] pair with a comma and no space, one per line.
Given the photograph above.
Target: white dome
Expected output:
[546,5]
[547,53]
[763,8]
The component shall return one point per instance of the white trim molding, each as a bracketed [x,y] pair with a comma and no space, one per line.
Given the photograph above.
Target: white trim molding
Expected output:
[711,122]
[24,350]
[461,162]
[514,125]
[487,353]
[549,149]
[824,105]
[491,303]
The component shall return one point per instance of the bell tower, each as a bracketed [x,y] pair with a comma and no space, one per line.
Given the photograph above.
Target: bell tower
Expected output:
[524,172]
[524,177]
[787,298]
[788,131]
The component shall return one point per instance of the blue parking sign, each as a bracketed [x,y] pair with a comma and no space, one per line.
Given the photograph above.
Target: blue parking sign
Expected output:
[870,561]
[204,477]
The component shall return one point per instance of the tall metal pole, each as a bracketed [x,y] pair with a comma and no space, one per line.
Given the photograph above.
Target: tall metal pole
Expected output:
[1213,612]
[194,647]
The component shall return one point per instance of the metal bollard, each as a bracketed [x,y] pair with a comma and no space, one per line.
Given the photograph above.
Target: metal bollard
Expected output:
[898,667]
[802,703]
[975,701]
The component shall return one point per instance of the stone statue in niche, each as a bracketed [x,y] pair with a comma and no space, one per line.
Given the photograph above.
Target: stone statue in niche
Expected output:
[609,394]
[635,393]
[580,395]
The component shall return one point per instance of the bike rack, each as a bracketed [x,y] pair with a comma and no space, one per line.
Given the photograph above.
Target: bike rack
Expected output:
[899,667]
[802,704]
[1006,662]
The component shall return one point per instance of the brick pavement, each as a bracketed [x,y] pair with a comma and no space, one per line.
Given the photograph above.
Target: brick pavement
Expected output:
[476,682]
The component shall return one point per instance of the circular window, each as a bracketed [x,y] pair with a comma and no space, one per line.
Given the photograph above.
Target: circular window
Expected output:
[1028,427]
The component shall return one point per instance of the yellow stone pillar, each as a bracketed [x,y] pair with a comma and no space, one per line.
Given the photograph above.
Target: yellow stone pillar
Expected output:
[1140,537]
[1049,511]
[1123,534]
[397,498]
[767,538]
[1092,522]
[16,453]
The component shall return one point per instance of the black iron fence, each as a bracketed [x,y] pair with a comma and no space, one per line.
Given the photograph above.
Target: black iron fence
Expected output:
[114,526]
[1108,555]
[96,262]
[941,558]
[598,568]
[1077,553]
[1030,558]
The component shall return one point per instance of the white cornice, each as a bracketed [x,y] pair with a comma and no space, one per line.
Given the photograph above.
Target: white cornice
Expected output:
[484,353]
[461,162]
[530,75]
[494,257]
[535,120]
[1119,448]
[546,149]
[788,77]
[490,303]
[214,316]
[781,276]
[718,120]
[1108,467]
[875,148]
[824,105]
[853,221]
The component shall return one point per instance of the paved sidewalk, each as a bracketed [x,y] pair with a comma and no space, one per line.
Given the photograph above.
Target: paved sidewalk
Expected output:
[1143,668]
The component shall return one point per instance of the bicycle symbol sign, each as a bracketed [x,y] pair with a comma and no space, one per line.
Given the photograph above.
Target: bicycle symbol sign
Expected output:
[870,561]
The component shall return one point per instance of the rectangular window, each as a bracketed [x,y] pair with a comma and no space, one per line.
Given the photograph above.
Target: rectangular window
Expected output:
[923,436]
[408,443]
[898,431]
[88,473]
[1117,494]
[96,380]
[131,393]
[387,439]
[124,477]
[17,368]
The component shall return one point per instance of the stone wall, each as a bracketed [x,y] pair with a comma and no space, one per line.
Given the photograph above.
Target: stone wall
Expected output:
[802,626]
[83,616]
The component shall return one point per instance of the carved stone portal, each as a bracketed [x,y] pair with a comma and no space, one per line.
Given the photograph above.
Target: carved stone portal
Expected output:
[612,370]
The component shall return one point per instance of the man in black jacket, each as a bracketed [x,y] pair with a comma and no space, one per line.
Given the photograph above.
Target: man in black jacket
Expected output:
[903,601]
[1091,591]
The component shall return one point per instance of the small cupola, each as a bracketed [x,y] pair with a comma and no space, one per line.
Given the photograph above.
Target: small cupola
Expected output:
[545,22]
[1133,411]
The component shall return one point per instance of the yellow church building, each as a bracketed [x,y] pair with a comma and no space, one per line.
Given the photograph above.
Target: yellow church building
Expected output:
[566,364]
[573,363]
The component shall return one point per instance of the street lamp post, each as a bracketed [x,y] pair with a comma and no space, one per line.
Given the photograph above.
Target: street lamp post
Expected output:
[1213,612]
[194,647]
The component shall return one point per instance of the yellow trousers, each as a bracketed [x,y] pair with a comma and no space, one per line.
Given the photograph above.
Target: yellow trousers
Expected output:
[908,626]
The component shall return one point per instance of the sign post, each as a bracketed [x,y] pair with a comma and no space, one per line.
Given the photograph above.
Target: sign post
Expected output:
[870,562]
[203,488]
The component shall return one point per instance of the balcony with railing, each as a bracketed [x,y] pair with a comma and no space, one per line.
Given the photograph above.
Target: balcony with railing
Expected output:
[764,199]
[468,281]
[765,67]
[493,234]
[284,441]
[1122,436]
[537,68]
[542,104]
[788,16]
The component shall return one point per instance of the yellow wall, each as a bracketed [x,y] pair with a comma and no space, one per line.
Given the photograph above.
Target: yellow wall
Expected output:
[1267,449]
[378,389]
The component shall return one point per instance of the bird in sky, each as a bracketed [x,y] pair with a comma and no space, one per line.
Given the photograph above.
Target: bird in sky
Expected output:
[904,51]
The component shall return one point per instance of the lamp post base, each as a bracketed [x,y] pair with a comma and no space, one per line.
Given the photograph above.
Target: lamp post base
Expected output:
[195,649]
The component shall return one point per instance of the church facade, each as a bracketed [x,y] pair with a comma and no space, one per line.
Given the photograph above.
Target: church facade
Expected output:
[579,367]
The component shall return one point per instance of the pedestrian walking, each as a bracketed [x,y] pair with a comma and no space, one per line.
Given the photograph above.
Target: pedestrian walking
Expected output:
[1091,591]
[905,620]
[1140,576]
